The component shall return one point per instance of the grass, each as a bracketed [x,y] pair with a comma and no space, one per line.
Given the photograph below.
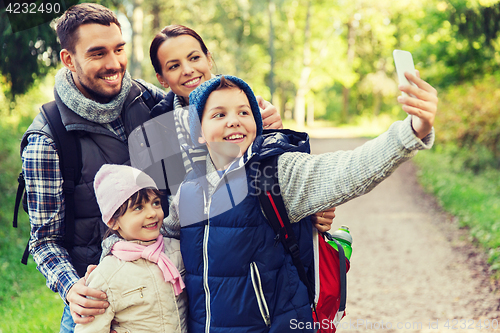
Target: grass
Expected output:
[26,304]
[473,197]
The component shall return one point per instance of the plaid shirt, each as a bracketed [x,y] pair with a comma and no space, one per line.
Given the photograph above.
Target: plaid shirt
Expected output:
[40,164]
[46,210]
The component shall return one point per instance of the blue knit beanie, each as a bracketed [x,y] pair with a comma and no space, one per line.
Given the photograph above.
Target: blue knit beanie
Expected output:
[198,99]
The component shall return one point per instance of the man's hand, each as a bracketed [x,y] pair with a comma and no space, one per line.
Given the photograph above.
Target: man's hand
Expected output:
[84,309]
[270,115]
[323,220]
[422,107]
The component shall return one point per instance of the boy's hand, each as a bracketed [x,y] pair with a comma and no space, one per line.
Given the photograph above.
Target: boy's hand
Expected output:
[270,116]
[84,309]
[422,107]
[323,220]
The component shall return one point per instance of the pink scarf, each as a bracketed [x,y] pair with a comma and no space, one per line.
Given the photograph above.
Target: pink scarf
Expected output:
[129,251]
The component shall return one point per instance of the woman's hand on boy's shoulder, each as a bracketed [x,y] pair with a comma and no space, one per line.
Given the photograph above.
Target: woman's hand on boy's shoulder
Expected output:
[270,116]
[422,105]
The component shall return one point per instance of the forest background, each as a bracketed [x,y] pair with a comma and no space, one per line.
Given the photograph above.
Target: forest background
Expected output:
[323,63]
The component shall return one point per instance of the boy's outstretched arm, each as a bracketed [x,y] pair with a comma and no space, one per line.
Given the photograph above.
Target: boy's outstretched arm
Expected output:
[422,107]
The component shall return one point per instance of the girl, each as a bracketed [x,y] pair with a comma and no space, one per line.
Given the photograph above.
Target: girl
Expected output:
[140,277]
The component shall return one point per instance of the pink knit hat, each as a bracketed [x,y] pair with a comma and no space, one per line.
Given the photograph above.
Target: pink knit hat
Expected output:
[114,184]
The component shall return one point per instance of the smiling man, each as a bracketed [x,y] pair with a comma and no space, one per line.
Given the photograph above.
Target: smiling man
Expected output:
[98,101]
[98,61]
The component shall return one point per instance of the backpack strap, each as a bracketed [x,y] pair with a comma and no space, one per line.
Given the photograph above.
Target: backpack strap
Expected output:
[69,162]
[274,208]
[19,197]
[343,271]
[146,95]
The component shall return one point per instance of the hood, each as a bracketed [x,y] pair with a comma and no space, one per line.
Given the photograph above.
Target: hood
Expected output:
[276,142]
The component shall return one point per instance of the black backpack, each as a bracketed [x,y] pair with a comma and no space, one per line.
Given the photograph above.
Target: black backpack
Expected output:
[70,163]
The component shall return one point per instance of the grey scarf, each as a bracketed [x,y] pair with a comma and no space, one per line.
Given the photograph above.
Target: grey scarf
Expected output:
[87,108]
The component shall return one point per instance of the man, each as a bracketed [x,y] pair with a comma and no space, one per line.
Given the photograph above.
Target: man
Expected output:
[95,96]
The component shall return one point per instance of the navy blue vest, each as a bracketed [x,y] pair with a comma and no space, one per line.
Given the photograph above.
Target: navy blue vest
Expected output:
[239,278]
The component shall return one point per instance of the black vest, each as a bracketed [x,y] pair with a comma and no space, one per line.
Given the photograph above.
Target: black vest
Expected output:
[98,146]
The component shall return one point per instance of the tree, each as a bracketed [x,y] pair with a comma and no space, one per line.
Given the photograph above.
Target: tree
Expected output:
[27,54]
[303,88]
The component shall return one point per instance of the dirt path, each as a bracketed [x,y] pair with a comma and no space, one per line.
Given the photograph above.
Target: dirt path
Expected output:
[412,269]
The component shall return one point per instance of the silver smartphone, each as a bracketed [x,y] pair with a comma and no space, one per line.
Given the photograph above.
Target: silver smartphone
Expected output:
[404,63]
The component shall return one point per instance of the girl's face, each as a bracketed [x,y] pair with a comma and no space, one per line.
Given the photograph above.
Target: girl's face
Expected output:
[184,65]
[141,221]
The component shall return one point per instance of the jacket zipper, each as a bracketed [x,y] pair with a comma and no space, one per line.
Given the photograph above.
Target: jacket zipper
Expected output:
[205,269]
[133,291]
[259,294]
[205,259]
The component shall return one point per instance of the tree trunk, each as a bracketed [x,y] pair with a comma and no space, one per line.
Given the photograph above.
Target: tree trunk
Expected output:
[155,11]
[137,54]
[350,58]
[272,8]
[300,97]
[310,111]
[377,101]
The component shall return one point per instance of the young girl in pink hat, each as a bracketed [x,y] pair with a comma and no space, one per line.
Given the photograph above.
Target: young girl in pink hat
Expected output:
[142,275]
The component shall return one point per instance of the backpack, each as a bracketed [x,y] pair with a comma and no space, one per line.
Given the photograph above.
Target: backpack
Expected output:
[70,163]
[327,290]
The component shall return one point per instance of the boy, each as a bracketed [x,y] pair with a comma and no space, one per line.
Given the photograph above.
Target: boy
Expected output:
[237,278]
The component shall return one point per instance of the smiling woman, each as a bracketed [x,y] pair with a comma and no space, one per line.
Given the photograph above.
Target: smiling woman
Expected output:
[181,60]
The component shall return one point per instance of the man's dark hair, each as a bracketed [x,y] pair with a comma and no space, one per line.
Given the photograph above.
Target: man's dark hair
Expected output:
[75,16]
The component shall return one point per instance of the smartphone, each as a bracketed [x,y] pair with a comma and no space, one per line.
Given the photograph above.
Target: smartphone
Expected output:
[404,63]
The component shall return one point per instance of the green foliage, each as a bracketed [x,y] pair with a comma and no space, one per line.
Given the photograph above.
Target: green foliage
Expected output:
[26,54]
[474,198]
[26,304]
[469,117]
[459,40]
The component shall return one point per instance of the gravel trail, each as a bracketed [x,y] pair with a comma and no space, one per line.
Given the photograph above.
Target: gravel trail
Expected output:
[412,269]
